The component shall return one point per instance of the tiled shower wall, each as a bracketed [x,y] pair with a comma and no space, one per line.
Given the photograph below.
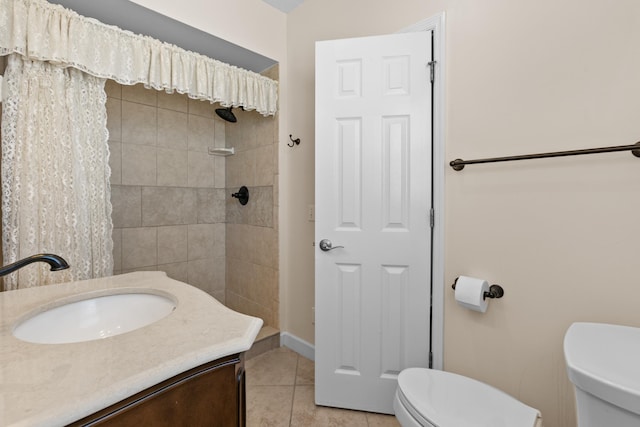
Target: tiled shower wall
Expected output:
[252,229]
[252,235]
[167,192]
[172,209]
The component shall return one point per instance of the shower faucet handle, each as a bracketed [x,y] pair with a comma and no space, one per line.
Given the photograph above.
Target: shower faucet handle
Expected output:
[242,195]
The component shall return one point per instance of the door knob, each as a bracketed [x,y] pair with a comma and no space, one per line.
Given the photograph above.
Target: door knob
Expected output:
[326,245]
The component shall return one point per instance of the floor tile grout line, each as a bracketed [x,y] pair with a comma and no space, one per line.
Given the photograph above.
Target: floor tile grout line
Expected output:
[293,395]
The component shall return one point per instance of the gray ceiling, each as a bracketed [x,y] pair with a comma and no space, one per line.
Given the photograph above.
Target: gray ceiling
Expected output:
[285,6]
[138,19]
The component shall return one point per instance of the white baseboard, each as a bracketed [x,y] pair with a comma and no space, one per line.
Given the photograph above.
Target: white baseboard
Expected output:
[298,345]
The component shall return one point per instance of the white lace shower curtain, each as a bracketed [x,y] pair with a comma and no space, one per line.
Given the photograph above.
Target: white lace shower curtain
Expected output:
[40,30]
[55,172]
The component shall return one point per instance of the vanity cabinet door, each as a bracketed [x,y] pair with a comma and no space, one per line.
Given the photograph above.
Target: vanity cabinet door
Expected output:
[210,395]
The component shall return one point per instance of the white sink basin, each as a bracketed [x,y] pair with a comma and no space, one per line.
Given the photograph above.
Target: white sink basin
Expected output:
[94,317]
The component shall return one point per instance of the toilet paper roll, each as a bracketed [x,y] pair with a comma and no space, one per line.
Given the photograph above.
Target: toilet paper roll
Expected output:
[470,293]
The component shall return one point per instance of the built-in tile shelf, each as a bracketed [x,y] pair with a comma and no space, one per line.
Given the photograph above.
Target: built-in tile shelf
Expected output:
[222,151]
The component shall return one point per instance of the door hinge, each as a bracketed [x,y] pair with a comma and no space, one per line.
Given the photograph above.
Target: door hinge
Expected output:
[432,217]
[432,67]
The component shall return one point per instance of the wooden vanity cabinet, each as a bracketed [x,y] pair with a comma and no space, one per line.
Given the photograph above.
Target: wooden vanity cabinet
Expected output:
[211,395]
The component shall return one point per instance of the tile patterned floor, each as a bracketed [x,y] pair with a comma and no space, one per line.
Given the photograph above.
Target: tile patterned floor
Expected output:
[280,393]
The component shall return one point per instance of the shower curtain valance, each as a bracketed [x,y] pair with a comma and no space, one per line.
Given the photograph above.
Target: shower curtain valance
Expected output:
[40,30]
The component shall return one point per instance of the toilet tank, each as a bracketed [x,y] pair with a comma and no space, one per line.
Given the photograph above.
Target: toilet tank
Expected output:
[603,363]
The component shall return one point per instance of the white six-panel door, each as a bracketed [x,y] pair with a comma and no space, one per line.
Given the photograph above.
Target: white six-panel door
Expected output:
[373,197]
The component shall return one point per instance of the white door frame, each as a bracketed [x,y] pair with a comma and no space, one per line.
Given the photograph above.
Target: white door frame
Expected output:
[437,25]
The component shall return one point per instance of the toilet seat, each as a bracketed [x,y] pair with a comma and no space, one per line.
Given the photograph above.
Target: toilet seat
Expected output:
[435,398]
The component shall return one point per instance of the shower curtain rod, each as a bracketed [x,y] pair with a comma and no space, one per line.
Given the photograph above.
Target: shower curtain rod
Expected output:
[459,164]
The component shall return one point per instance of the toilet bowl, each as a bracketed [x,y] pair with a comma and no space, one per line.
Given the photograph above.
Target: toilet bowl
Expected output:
[432,398]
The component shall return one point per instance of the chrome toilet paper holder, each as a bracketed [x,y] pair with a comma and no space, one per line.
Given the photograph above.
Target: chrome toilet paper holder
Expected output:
[495,291]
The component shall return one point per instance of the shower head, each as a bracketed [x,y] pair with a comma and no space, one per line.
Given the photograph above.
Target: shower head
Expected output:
[226,114]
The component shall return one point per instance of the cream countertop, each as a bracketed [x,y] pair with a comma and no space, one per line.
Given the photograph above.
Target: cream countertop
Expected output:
[55,384]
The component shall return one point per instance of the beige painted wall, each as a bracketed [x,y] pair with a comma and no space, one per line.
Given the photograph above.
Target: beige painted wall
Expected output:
[560,235]
[252,24]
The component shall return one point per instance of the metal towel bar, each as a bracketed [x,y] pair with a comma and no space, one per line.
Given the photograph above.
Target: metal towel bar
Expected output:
[459,164]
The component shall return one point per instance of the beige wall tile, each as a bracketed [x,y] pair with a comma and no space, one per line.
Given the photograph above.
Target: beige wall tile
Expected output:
[252,277]
[138,165]
[220,171]
[250,123]
[113,89]
[176,271]
[233,135]
[207,274]
[237,238]
[174,101]
[264,286]
[258,211]
[260,207]
[201,133]
[172,168]
[139,246]
[114,119]
[200,171]
[264,246]
[206,241]
[236,213]
[219,295]
[252,308]
[276,219]
[172,129]
[265,169]
[241,169]
[117,249]
[249,307]
[169,206]
[139,123]
[265,131]
[239,275]
[219,132]
[276,157]
[211,205]
[147,268]
[231,301]
[202,108]
[276,190]
[139,94]
[171,199]
[115,162]
[127,206]
[172,244]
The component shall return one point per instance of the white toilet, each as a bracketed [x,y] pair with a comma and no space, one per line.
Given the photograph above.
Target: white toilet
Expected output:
[603,365]
[432,398]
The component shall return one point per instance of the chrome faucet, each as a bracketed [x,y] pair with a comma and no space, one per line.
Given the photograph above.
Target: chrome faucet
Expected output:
[56,262]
